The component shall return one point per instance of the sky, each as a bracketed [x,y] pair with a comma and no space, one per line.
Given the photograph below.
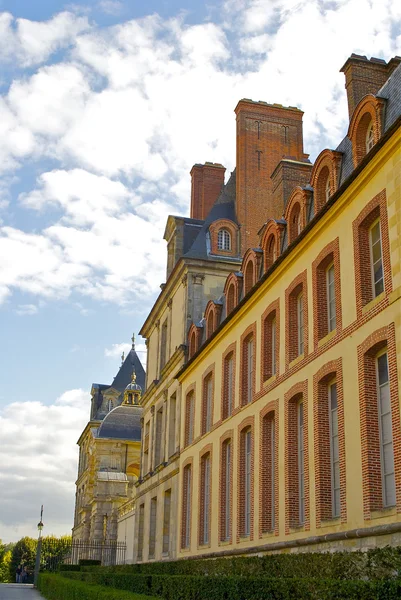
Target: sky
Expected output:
[104,107]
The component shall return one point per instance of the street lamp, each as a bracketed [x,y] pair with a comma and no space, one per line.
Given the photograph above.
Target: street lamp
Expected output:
[38,549]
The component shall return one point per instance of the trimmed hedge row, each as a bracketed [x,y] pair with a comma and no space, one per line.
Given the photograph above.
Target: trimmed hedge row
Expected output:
[378,563]
[190,587]
[55,587]
[69,567]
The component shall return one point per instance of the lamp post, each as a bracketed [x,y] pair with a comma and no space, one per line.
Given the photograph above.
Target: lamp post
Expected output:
[38,549]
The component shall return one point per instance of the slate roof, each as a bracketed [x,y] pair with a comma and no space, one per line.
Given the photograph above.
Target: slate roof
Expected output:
[123,377]
[391,91]
[223,208]
[122,423]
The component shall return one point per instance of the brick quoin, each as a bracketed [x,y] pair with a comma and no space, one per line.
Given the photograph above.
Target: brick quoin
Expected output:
[265,134]
[323,484]
[371,461]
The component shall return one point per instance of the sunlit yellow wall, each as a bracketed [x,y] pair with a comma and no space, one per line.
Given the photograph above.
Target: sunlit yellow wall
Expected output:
[383,172]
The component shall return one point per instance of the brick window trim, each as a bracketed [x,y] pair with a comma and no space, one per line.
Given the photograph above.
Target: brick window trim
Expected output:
[227,436]
[290,316]
[376,208]
[189,392]
[206,450]
[330,253]
[297,202]
[194,339]
[272,408]
[213,310]
[369,109]
[328,372]
[371,474]
[231,349]
[328,163]
[210,372]
[274,307]
[291,397]
[272,231]
[247,423]
[235,280]
[254,257]
[250,330]
[214,229]
[188,463]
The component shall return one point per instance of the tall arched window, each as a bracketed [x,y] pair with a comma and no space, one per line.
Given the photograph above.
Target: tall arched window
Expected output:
[224,240]
[369,137]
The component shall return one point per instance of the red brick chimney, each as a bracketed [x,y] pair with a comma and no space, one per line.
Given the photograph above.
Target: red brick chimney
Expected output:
[207,181]
[266,133]
[363,76]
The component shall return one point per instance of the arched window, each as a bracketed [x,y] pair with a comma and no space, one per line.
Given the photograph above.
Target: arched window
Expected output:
[224,240]
[230,300]
[369,137]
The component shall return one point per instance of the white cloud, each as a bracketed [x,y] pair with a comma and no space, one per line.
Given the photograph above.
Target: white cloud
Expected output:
[111,7]
[116,350]
[39,463]
[26,309]
[31,42]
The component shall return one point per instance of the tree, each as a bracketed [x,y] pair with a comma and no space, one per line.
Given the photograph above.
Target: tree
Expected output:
[23,553]
[5,561]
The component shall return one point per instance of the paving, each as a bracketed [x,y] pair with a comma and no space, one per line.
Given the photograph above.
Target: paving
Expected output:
[18,591]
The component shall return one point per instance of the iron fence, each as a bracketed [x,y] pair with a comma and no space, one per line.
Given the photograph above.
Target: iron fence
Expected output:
[109,553]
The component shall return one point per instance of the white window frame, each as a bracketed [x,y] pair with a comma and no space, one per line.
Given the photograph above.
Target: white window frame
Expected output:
[380,260]
[208,403]
[327,189]
[273,471]
[273,332]
[249,370]
[206,499]
[224,240]
[187,515]
[227,489]
[230,384]
[388,478]
[247,482]
[301,462]
[331,298]
[300,323]
[370,138]
[334,450]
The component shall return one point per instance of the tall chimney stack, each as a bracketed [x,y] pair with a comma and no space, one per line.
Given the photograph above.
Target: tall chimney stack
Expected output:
[363,76]
[207,182]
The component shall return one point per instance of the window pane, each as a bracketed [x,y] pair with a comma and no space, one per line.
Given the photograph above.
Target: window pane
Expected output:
[382,369]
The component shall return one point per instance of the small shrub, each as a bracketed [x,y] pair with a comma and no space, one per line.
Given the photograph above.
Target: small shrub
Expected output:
[88,562]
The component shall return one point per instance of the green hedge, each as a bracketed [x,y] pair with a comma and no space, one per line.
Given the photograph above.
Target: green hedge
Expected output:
[63,567]
[190,587]
[89,562]
[378,563]
[55,587]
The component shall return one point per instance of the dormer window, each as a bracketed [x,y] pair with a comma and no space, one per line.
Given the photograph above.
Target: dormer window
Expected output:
[224,240]
[369,137]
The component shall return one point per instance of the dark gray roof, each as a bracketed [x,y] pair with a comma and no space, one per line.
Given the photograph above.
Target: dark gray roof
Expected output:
[123,377]
[122,423]
[391,91]
[223,208]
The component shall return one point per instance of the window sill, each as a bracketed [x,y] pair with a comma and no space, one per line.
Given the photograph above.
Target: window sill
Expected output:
[225,542]
[267,534]
[270,380]
[296,360]
[373,303]
[245,538]
[327,338]
[203,546]
[330,522]
[383,512]
[297,529]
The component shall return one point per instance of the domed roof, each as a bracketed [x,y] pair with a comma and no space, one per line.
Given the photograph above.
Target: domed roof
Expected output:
[122,423]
